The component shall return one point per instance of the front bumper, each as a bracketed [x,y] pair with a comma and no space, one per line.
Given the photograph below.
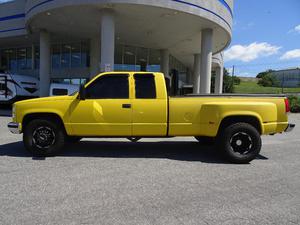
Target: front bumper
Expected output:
[290,127]
[14,128]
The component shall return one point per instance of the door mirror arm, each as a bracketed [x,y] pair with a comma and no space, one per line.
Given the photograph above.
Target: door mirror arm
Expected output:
[82,93]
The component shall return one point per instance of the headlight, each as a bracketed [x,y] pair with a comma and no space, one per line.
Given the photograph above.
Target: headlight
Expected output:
[13,113]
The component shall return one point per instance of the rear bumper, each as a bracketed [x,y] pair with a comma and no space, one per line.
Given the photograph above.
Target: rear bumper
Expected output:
[14,128]
[290,127]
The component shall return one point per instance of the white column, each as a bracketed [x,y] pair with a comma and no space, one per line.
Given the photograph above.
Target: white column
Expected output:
[196,74]
[219,80]
[165,62]
[95,56]
[107,41]
[44,63]
[206,60]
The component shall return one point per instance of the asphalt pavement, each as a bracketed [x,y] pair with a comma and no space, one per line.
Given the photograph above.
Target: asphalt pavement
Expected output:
[155,181]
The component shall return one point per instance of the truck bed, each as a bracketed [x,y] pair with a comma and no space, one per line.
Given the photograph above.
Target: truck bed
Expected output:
[202,114]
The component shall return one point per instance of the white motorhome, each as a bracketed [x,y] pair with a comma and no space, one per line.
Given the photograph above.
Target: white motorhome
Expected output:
[15,87]
[63,89]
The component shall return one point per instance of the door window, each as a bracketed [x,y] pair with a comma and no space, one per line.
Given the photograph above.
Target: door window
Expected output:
[109,87]
[145,86]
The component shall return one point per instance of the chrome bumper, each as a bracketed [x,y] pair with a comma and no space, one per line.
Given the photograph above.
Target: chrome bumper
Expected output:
[14,128]
[290,127]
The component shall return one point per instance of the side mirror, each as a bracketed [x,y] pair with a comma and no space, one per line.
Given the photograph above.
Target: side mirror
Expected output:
[82,93]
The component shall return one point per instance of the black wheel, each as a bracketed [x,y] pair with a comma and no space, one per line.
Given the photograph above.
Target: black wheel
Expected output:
[43,137]
[134,139]
[205,140]
[240,142]
[72,139]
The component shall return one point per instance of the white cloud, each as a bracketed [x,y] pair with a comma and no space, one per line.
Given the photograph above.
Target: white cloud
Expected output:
[297,28]
[293,54]
[247,53]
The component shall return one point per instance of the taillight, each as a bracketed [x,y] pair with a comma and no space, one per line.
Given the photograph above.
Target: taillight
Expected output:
[287,105]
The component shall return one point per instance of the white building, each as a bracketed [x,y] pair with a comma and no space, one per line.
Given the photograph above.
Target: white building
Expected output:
[73,40]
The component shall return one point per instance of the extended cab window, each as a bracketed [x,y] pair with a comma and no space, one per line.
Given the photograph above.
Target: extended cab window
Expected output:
[145,86]
[112,86]
[58,91]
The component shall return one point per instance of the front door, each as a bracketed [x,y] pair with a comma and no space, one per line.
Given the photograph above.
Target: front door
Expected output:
[106,110]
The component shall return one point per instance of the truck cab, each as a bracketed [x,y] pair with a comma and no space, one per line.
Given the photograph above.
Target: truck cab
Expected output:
[121,104]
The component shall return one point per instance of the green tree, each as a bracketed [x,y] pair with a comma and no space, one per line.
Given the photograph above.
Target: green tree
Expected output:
[268,80]
[227,82]
[236,80]
[228,85]
[294,103]
[262,74]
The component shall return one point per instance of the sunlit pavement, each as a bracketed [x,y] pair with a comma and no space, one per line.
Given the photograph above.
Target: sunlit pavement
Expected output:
[154,181]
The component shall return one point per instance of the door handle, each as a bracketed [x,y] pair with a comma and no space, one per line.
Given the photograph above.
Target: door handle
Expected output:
[126,106]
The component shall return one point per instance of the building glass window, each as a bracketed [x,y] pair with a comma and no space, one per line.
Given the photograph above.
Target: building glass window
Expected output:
[12,59]
[142,59]
[21,58]
[55,56]
[29,57]
[76,81]
[66,56]
[4,60]
[36,57]
[69,55]
[129,58]
[24,58]
[85,55]
[8,59]
[119,62]
[75,55]
[154,61]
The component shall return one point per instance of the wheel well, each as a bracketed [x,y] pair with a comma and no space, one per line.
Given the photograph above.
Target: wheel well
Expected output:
[252,120]
[46,116]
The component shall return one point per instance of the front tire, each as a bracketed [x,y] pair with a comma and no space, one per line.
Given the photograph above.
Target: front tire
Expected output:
[43,138]
[240,143]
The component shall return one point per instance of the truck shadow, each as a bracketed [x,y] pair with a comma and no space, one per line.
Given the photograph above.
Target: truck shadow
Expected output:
[182,151]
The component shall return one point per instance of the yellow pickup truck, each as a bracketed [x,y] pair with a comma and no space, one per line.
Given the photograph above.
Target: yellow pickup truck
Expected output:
[136,104]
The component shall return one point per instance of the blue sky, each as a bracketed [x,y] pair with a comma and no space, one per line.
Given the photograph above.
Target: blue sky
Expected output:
[266,35]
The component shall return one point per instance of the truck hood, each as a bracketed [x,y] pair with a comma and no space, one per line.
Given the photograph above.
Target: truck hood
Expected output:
[45,99]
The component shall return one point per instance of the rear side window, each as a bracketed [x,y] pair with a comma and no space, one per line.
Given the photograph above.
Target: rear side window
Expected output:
[145,86]
[109,87]
[58,91]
